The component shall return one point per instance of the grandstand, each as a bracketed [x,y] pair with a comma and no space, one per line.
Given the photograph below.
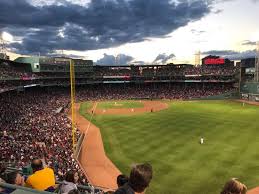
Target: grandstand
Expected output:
[27,71]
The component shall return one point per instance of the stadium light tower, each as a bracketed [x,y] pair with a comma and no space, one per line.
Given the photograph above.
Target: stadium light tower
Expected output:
[256,77]
[198,58]
[117,59]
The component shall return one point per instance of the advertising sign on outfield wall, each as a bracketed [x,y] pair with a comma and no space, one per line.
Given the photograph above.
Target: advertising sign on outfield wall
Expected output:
[211,61]
[245,96]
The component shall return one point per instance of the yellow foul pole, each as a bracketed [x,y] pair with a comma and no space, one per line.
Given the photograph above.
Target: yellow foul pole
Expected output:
[72,85]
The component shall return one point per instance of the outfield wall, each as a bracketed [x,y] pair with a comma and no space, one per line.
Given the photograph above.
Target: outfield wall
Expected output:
[252,88]
[229,95]
[250,91]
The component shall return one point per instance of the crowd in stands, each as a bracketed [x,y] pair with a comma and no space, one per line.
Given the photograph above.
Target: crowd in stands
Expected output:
[167,70]
[215,70]
[155,91]
[32,127]
[6,85]
[9,71]
[109,71]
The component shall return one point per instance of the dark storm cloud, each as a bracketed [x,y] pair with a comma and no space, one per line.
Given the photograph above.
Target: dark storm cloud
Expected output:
[220,52]
[139,63]
[197,32]
[72,56]
[218,11]
[102,24]
[163,58]
[120,59]
[232,55]
[248,42]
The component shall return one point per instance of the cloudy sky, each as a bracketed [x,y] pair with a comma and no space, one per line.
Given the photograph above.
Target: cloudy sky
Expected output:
[133,30]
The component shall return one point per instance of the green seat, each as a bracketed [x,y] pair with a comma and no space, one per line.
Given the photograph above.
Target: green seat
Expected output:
[27,170]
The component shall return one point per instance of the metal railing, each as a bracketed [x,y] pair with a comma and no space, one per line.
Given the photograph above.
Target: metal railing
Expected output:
[10,186]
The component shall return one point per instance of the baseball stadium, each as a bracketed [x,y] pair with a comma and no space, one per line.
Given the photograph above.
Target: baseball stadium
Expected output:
[147,118]
[101,121]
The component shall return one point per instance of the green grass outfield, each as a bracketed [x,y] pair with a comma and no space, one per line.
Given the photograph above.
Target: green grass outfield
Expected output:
[169,140]
[119,104]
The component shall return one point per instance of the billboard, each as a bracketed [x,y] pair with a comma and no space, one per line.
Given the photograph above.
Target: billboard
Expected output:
[213,61]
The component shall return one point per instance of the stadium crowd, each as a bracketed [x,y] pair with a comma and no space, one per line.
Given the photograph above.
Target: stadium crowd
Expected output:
[6,85]
[9,71]
[210,70]
[167,70]
[155,91]
[32,127]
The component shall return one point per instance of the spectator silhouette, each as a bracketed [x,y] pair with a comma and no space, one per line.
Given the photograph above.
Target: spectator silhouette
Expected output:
[233,186]
[139,180]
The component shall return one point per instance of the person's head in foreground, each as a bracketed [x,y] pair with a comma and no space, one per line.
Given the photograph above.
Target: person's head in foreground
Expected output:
[74,191]
[140,177]
[14,178]
[233,186]
[109,192]
[36,165]
[71,176]
[122,180]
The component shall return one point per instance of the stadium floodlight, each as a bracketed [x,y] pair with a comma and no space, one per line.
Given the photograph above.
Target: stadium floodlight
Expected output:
[256,77]
[198,58]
